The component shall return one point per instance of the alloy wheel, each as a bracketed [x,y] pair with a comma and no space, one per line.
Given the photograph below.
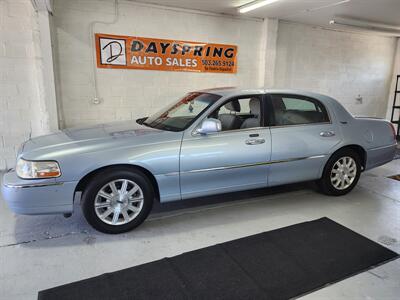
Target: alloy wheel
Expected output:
[343,173]
[119,202]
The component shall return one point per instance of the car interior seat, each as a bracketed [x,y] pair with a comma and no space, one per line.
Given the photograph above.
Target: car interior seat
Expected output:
[255,110]
[231,121]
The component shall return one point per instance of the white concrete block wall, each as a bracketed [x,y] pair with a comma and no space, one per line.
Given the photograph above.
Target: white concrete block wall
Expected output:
[340,64]
[130,94]
[396,72]
[19,91]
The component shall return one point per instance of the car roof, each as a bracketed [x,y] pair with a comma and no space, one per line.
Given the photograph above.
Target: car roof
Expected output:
[227,92]
[233,91]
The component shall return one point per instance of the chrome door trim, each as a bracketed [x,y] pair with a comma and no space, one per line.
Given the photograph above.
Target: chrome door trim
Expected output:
[329,133]
[257,141]
[194,133]
[245,165]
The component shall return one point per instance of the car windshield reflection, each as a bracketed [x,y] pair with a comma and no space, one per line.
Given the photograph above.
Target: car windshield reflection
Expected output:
[182,114]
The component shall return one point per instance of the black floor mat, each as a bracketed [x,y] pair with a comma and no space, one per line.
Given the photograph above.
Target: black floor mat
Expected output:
[278,264]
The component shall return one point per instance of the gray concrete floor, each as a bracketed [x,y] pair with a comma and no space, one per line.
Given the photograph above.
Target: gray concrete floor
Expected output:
[39,252]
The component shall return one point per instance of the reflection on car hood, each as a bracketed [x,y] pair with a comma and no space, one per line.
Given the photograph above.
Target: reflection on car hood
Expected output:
[90,139]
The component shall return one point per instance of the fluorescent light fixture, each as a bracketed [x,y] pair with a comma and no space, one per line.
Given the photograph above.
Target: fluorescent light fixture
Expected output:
[254,5]
[308,10]
[385,29]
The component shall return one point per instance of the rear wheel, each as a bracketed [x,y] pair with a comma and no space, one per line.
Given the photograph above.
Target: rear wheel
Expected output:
[117,201]
[341,173]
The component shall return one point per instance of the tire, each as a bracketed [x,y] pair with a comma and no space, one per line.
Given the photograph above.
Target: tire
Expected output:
[111,201]
[343,166]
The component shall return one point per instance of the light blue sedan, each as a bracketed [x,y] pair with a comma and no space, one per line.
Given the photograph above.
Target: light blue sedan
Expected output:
[209,142]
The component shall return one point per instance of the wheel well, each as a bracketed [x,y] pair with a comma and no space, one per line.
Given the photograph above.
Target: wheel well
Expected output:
[86,179]
[359,150]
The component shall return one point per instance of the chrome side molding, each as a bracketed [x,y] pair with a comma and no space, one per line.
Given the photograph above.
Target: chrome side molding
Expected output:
[23,186]
[245,165]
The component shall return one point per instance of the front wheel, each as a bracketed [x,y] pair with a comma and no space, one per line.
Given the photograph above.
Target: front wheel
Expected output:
[117,201]
[341,173]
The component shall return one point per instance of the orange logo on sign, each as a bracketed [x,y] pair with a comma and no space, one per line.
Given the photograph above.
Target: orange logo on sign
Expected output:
[127,52]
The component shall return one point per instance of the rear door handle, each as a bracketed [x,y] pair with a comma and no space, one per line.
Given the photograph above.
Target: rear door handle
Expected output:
[255,141]
[327,133]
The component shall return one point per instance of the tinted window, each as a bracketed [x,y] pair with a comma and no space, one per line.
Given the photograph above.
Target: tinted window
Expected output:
[297,110]
[299,104]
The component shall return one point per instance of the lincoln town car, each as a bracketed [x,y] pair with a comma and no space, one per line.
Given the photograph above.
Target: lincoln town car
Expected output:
[209,142]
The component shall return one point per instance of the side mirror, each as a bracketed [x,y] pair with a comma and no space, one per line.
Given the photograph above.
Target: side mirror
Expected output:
[209,126]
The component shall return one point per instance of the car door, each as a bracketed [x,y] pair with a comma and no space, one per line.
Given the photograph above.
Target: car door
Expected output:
[235,158]
[302,133]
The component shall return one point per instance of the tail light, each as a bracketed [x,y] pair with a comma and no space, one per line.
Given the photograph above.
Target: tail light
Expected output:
[393,131]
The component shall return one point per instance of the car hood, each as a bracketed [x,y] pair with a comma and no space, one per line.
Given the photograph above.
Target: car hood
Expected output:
[90,139]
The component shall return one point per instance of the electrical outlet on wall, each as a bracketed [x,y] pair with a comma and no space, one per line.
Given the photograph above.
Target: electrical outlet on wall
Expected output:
[359,99]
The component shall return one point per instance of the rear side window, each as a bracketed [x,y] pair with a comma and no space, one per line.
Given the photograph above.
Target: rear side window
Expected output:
[297,110]
[299,104]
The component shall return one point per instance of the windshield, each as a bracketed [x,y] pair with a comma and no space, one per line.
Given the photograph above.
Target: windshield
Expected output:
[182,114]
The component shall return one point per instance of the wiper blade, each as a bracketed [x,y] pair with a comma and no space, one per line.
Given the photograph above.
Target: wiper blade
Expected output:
[146,124]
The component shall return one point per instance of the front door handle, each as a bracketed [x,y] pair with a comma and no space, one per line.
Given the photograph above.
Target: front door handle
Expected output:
[327,133]
[255,141]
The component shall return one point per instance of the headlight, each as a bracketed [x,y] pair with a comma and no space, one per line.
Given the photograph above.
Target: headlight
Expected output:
[37,169]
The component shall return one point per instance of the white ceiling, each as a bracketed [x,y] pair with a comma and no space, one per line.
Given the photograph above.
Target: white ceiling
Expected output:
[316,12]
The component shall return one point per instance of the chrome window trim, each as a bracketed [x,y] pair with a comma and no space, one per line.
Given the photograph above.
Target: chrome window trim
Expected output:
[298,125]
[245,165]
[194,133]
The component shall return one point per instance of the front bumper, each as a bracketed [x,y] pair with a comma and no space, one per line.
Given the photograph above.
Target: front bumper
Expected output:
[36,197]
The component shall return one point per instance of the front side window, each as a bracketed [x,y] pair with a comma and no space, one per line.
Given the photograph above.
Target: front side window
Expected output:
[239,113]
[183,113]
[297,110]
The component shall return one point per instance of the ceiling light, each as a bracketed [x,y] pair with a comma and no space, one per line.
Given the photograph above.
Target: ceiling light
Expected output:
[367,25]
[254,5]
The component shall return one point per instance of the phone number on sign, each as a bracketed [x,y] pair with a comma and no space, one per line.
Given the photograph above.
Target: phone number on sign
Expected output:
[217,63]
